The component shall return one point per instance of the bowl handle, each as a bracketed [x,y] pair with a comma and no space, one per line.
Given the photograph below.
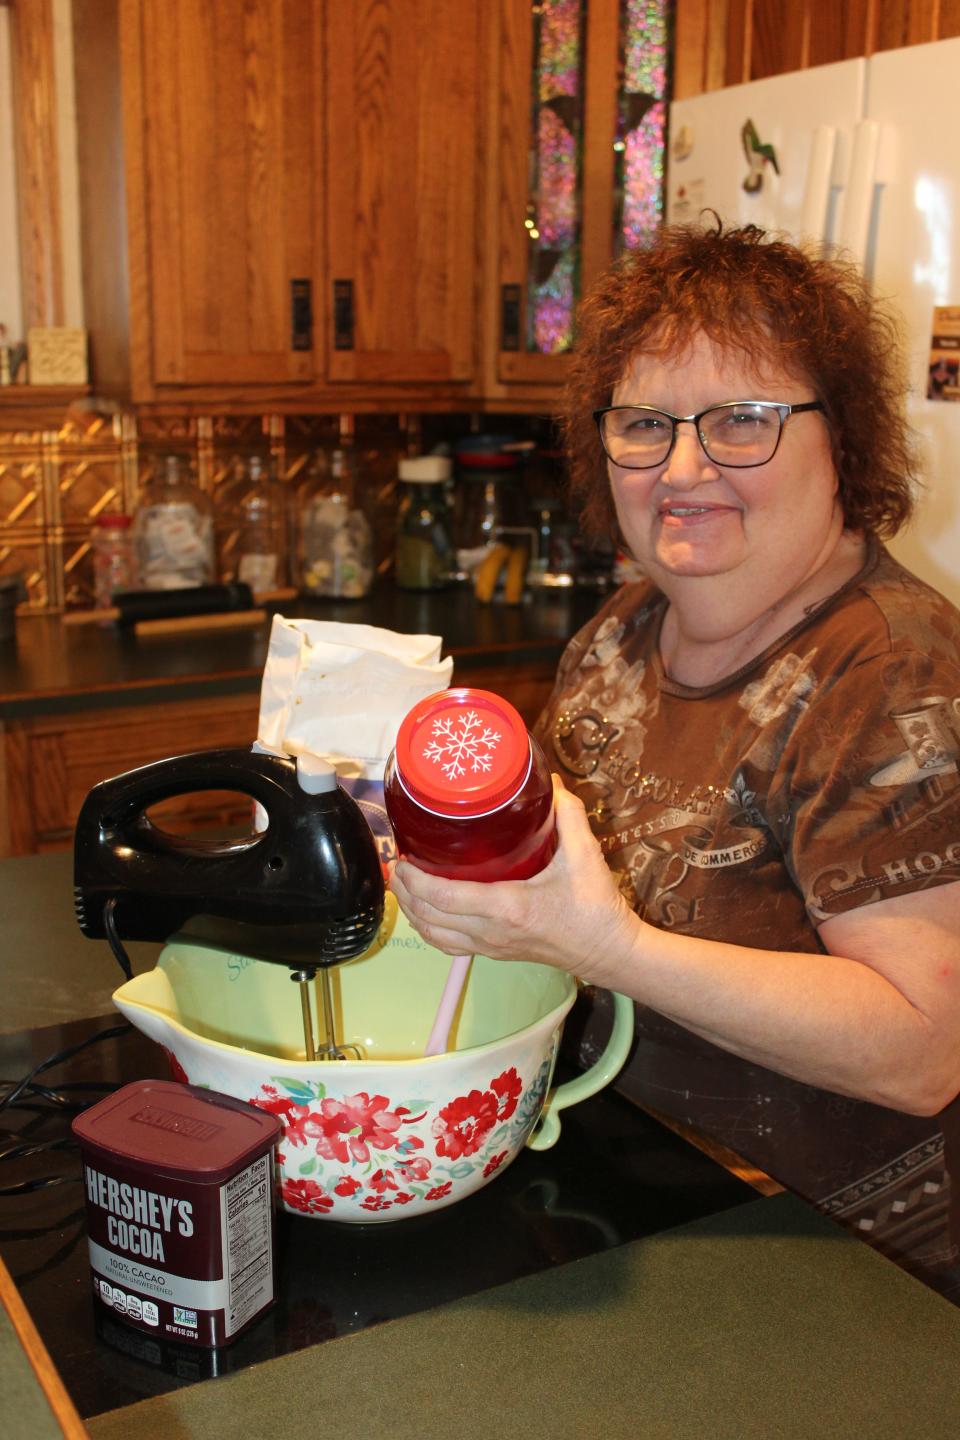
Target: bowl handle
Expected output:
[547,1130]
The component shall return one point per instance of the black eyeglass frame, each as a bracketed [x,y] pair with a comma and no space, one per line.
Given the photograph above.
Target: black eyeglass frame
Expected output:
[784,411]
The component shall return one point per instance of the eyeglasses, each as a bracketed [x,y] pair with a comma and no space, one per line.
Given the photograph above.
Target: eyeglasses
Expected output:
[740,433]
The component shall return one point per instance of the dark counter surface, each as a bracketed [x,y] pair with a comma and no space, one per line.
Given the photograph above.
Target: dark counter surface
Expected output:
[613,1176]
[54,668]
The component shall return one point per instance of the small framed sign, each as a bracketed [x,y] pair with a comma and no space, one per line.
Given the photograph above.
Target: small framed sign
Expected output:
[57,355]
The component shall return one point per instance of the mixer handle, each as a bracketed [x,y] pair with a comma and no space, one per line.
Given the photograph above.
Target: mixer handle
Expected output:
[261,776]
[304,891]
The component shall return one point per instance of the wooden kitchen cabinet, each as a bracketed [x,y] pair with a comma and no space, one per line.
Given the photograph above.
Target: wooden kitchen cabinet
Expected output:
[289,190]
[585,92]
[402,95]
[512,370]
[296,205]
[221,101]
[730,42]
[199,158]
[312,205]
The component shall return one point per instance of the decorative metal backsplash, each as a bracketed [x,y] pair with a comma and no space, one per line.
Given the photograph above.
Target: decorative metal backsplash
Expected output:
[54,483]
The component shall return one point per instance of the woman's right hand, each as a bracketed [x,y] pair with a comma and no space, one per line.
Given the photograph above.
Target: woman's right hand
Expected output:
[570,915]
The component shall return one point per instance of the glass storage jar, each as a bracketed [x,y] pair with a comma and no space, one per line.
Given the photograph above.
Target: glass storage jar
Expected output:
[468,789]
[252,524]
[114,567]
[489,489]
[334,542]
[424,552]
[173,529]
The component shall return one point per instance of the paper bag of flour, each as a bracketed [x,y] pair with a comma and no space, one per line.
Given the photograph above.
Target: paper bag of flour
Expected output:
[340,691]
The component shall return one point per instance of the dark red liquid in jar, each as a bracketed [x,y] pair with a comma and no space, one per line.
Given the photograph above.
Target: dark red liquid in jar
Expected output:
[505,829]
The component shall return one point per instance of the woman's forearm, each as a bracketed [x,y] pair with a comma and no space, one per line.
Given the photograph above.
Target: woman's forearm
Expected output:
[826,1020]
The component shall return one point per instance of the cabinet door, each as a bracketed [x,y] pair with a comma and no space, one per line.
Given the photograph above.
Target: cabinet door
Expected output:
[227,103]
[402,91]
[555,86]
[574,178]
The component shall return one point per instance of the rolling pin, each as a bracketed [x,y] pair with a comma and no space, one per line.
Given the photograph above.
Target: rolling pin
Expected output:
[131,607]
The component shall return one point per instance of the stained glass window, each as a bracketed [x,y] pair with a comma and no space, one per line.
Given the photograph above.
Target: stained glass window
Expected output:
[641,121]
[553,218]
[553,211]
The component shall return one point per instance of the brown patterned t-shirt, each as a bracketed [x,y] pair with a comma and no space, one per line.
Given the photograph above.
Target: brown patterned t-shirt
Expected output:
[820,777]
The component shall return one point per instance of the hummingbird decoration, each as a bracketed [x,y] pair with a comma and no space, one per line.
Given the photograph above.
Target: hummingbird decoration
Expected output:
[758,155]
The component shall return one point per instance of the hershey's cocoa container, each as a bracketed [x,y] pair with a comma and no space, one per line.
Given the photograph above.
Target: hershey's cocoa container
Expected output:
[180,1209]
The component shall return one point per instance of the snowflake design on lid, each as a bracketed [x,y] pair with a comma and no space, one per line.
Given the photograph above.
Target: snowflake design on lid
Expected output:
[454,749]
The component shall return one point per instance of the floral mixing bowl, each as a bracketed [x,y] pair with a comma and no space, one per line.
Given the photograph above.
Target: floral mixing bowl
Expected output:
[393,1133]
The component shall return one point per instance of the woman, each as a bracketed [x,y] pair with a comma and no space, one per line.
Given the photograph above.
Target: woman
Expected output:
[760,825]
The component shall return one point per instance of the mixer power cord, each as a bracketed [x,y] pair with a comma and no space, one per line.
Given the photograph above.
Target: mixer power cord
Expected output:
[28,1094]
[113,937]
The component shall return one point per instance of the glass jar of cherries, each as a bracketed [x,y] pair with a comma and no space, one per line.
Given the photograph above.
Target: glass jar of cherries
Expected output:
[468,789]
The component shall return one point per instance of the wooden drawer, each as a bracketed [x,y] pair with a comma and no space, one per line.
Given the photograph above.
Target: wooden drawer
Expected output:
[51,763]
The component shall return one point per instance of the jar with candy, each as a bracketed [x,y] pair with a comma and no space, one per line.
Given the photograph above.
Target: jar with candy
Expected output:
[424,550]
[335,542]
[113,560]
[173,529]
[252,520]
[468,789]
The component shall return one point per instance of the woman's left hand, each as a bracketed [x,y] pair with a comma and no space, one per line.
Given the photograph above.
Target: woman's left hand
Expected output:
[570,915]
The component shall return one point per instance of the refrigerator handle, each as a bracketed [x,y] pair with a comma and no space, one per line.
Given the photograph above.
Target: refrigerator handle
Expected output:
[816,191]
[854,227]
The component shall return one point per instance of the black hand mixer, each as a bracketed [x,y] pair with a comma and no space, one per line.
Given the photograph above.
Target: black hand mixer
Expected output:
[306,891]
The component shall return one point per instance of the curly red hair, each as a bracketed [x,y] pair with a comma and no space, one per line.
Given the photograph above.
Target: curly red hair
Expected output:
[784,309]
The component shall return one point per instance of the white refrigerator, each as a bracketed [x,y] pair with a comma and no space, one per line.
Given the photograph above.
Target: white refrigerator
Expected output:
[862,156]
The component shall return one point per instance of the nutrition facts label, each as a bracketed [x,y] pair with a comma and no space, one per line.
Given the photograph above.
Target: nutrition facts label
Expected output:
[246,1217]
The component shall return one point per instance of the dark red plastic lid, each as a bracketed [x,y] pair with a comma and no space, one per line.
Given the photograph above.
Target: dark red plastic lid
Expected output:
[177,1130]
[487,460]
[462,752]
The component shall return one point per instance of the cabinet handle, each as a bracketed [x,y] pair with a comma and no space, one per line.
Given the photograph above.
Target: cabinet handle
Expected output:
[511,307]
[301,315]
[343,314]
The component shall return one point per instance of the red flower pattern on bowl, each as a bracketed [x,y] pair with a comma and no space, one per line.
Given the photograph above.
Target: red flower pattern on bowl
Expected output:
[391,1155]
[346,1129]
[177,1071]
[305,1196]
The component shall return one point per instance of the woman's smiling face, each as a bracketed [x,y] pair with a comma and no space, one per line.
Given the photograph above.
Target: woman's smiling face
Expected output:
[692,517]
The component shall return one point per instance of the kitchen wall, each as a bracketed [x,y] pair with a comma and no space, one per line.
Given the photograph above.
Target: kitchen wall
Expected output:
[40,280]
[11,308]
[56,479]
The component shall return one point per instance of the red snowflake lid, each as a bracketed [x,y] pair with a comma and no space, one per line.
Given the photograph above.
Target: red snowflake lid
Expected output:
[462,752]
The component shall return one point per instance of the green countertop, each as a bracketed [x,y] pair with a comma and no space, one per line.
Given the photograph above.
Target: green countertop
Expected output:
[51,972]
[763,1323]
[27,1414]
